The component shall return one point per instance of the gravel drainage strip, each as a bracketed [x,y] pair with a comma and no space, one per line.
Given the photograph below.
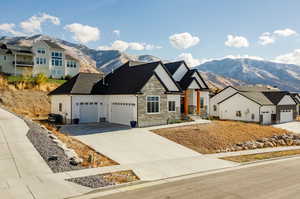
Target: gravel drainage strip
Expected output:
[103,180]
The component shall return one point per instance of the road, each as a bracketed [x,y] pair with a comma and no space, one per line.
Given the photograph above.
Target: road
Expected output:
[276,180]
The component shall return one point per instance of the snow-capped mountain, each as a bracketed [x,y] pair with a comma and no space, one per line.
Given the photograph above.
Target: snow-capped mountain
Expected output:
[250,71]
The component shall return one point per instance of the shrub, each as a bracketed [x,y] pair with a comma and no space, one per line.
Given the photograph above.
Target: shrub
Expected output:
[40,79]
[68,77]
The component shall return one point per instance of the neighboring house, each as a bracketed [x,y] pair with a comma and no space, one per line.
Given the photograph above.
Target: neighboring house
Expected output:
[16,60]
[145,93]
[265,107]
[44,57]
[296,97]
[195,98]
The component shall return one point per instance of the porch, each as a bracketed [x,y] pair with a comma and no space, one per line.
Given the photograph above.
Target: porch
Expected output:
[195,102]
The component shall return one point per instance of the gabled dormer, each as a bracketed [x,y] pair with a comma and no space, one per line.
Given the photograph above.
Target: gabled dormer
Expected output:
[187,78]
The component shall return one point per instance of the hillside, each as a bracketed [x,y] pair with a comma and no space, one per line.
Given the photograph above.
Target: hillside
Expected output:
[250,71]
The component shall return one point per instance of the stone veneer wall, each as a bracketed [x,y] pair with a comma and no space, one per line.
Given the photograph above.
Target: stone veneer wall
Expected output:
[154,88]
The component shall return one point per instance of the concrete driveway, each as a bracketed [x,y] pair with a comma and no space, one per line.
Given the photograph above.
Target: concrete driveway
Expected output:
[290,126]
[88,129]
[151,156]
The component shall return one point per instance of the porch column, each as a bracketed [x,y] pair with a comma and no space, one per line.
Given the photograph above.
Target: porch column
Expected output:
[198,102]
[186,103]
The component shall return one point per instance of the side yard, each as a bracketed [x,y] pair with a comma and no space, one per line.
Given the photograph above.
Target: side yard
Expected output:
[221,136]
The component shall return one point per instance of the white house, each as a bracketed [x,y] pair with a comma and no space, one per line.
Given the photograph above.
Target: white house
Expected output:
[265,107]
[145,93]
[52,60]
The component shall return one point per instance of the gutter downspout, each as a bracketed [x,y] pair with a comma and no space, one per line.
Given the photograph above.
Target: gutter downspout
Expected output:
[137,110]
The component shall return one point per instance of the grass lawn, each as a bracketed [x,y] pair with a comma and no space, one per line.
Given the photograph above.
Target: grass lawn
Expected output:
[208,138]
[261,156]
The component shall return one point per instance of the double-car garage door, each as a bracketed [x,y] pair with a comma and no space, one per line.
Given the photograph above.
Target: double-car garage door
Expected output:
[88,112]
[286,115]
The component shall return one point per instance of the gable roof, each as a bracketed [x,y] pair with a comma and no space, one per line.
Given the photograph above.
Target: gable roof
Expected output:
[259,97]
[252,98]
[53,45]
[129,79]
[82,83]
[173,66]
[188,78]
[295,97]
[275,96]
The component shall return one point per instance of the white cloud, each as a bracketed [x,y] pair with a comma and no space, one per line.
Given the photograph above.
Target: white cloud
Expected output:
[123,46]
[266,38]
[236,41]
[189,59]
[34,23]
[183,40]
[289,58]
[10,28]
[83,33]
[285,32]
[117,33]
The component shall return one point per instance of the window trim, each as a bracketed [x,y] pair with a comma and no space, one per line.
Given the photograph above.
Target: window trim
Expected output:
[152,113]
[169,106]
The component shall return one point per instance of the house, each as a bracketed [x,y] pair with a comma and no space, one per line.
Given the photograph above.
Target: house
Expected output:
[16,60]
[263,106]
[145,93]
[195,98]
[51,59]
[45,57]
[296,97]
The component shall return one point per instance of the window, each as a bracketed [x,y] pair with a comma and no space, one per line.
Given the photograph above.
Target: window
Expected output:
[71,64]
[252,116]
[41,51]
[215,107]
[171,105]
[60,107]
[238,114]
[153,104]
[4,57]
[202,102]
[56,59]
[41,60]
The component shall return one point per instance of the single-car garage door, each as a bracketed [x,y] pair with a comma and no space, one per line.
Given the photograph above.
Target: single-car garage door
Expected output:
[88,112]
[286,116]
[122,113]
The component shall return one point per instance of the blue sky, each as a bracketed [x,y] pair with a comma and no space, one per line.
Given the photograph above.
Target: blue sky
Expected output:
[201,27]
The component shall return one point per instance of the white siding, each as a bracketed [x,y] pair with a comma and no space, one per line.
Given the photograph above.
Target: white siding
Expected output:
[180,72]
[199,80]
[194,85]
[218,98]
[175,98]
[163,75]
[287,100]
[66,105]
[229,107]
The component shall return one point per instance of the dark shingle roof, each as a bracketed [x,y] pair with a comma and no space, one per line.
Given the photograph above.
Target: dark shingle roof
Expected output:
[294,96]
[126,79]
[275,96]
[53,45]
[188,78]
[173,66]
[82,83]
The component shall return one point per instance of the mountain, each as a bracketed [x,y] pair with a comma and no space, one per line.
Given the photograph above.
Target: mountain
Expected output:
[91,60]
[250,71]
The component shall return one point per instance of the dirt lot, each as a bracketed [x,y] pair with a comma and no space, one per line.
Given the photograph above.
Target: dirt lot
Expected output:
[208,138]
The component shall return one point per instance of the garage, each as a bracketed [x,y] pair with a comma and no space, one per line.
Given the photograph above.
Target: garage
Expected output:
[286,115]
[266,117]
[88,112]
[122,113]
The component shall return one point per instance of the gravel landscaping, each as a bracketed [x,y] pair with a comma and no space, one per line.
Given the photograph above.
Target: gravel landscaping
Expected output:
[103,180]
[48,149]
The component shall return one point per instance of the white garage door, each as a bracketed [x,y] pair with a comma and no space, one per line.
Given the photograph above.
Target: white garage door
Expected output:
[88,112]
[286,116]
[266,117]
[122,113]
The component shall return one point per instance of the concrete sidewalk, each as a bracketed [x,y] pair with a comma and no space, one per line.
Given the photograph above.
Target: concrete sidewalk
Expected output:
[290,126]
